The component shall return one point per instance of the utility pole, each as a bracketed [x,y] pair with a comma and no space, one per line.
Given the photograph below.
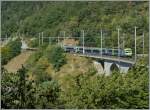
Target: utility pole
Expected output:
[118,43]
[143,43]
[58,39]
[39,39]
[123,40]
[119,47]
[101,41]
[83,40]
[49,40]
[135,43]
[64,34]
[104,39]
[42,38]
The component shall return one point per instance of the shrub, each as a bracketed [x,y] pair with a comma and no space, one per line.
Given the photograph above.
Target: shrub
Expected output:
[34,43]
[18,92]
[57,57]
[108,92]
[47,94]
[11,50]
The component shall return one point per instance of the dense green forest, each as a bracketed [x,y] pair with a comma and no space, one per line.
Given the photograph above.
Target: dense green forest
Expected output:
[52,79]
[30,18]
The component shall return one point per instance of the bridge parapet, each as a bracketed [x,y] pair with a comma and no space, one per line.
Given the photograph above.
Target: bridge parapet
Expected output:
[109,58]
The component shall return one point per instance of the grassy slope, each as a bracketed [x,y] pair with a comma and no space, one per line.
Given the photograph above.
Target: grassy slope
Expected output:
[75,65]
[16,63]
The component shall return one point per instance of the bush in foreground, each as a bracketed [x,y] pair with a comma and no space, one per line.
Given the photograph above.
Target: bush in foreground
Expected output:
[109,92]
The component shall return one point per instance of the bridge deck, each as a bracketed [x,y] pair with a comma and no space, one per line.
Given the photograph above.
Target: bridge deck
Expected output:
[111,58]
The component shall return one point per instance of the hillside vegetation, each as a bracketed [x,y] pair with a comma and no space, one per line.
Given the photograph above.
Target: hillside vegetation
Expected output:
[9,51]
[73,66]
[51,18]
[75,85]
[53,79]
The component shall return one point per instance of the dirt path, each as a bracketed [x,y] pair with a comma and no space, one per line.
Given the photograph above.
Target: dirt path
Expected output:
[14,64]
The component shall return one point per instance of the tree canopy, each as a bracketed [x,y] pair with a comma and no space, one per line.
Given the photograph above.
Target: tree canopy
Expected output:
[30,18]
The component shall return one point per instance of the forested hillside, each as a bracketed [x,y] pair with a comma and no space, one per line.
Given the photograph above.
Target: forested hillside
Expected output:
[54,79]
[30,18]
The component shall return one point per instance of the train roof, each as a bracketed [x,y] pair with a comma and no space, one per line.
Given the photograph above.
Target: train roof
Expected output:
[95,48]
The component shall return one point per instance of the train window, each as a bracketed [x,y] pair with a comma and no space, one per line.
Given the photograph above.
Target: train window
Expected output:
[115,51]
[103,51]
[96,51]
[70,48]
[87,50]
[80,48]
[109,50]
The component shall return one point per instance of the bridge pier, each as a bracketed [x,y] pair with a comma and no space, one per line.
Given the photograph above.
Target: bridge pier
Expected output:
[107,66]
[124,69]
[98,67]
[120,66]
[24,45]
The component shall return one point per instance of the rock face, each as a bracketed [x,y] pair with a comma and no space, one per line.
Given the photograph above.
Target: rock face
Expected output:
[98,67]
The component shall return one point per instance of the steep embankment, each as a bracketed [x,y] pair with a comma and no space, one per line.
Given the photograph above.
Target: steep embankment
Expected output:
[74,66]
[14,64]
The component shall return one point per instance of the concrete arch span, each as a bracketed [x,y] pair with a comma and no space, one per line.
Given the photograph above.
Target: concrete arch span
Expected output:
[114,67]
[122,67]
